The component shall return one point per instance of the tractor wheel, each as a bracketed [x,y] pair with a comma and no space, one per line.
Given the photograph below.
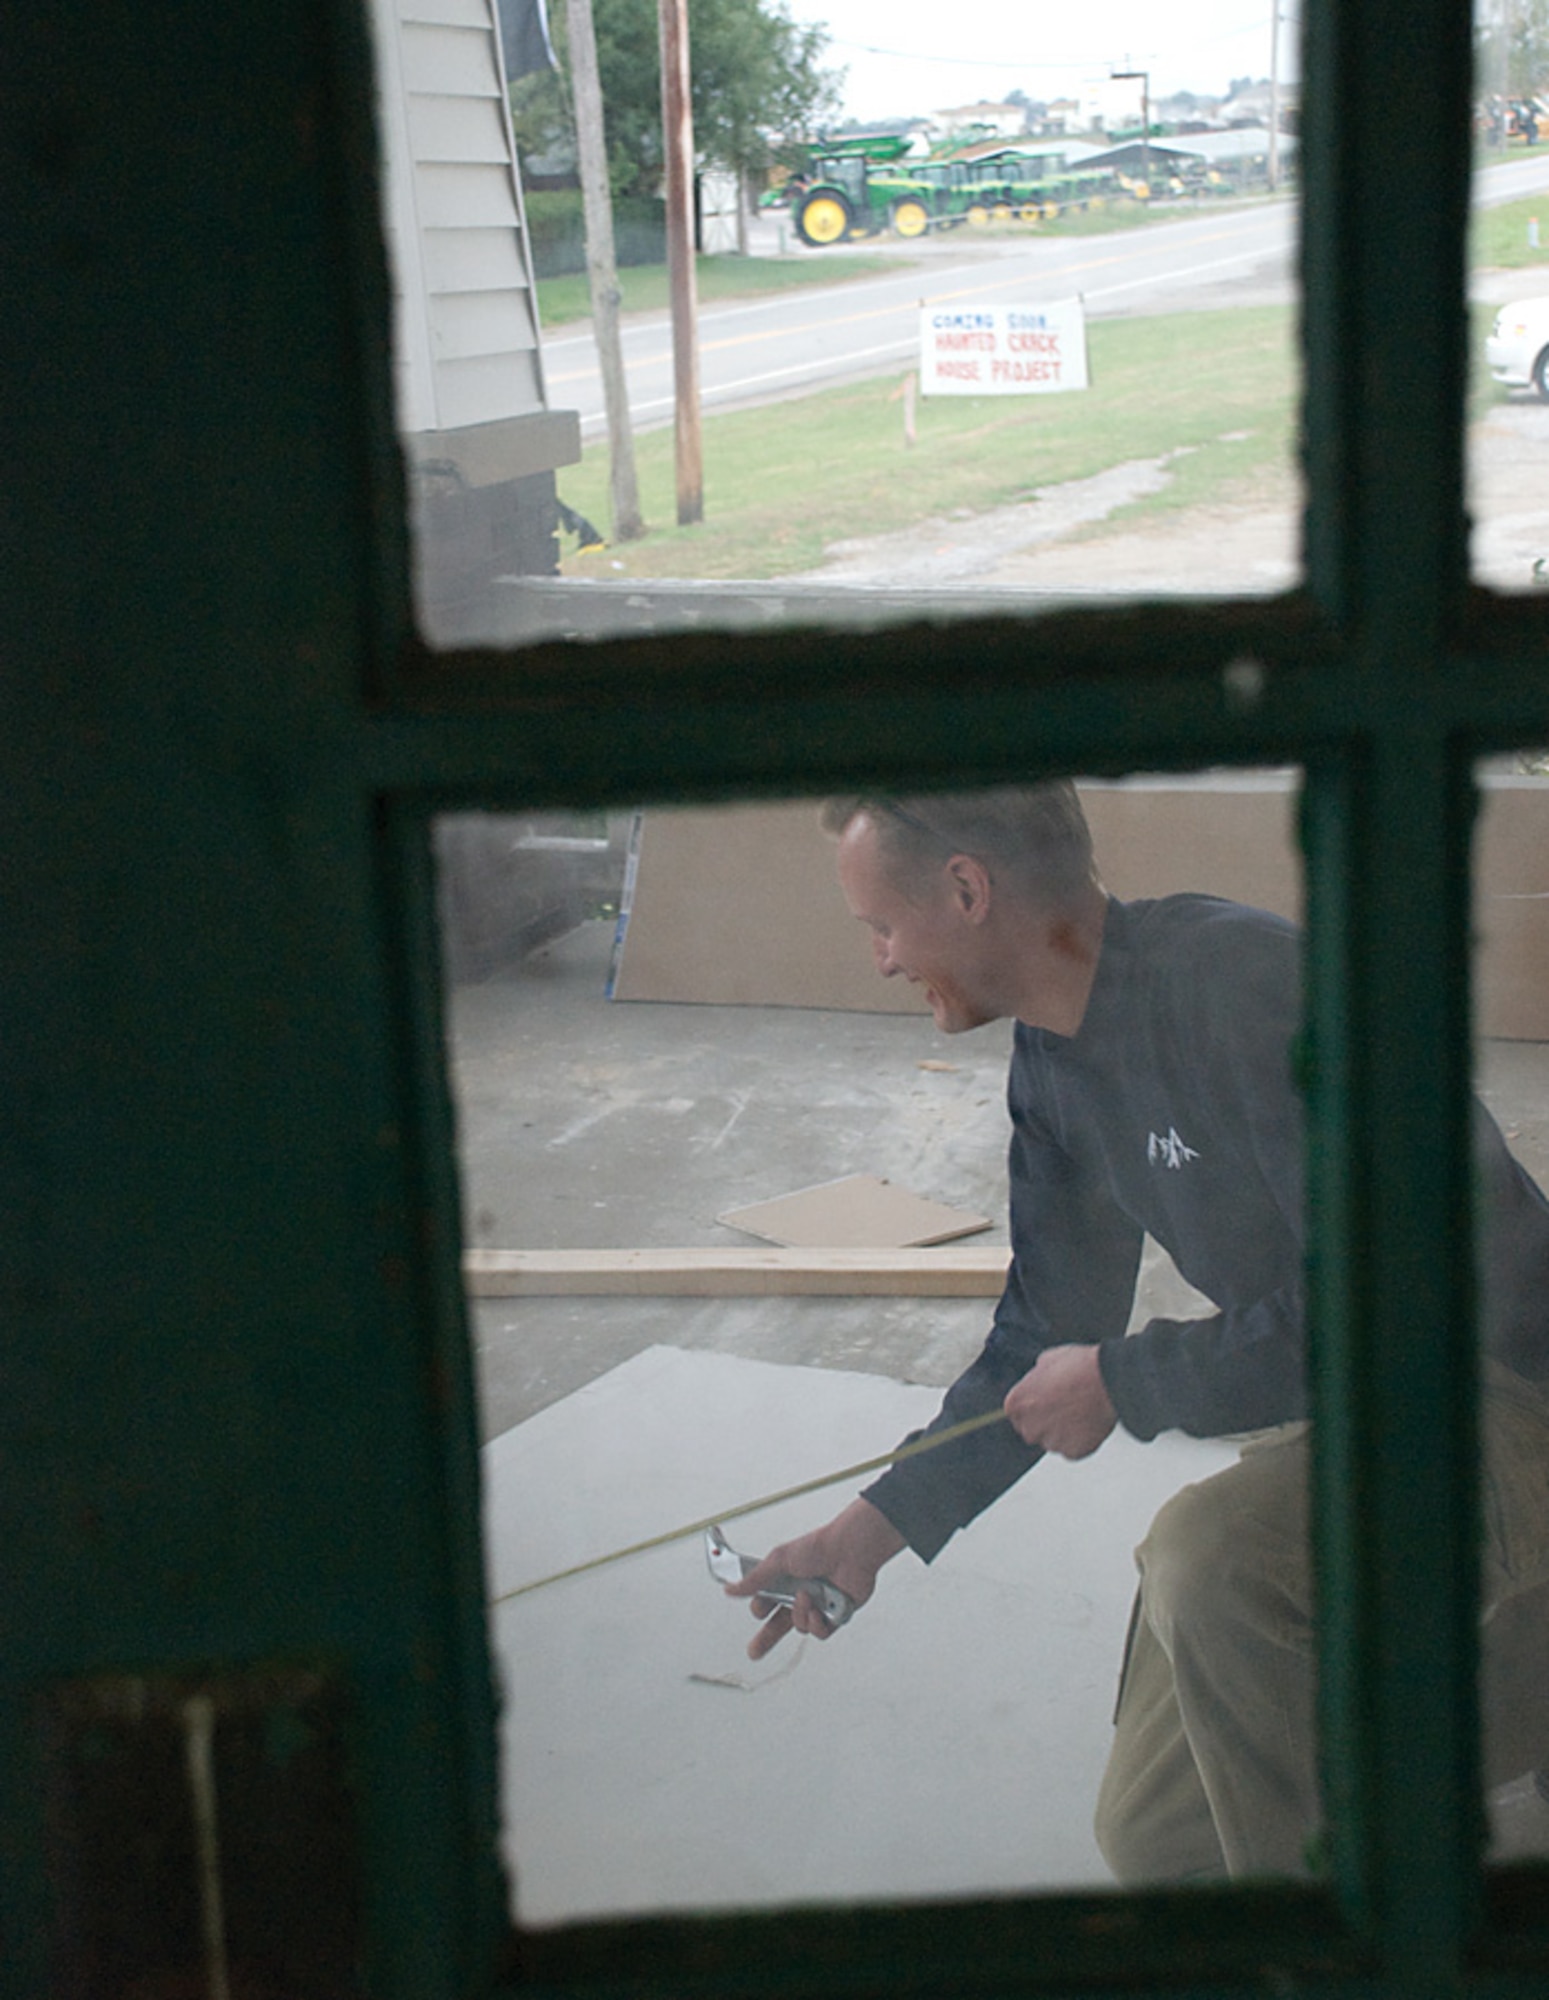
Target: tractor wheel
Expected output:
[910,217]
[823,218]
[978,216]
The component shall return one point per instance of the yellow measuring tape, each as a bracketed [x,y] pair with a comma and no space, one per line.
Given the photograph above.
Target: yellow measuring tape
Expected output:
[933,1441]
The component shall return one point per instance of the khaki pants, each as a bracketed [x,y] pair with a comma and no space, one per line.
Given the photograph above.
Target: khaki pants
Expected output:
[1213,1767]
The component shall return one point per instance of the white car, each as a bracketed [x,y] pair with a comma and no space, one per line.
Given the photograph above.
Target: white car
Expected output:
[1518,345]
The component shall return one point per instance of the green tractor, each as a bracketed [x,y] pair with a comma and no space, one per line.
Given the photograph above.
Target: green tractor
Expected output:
[868,187]
[857,188]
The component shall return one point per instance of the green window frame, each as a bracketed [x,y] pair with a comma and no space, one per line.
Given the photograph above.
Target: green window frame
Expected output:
[238,1418]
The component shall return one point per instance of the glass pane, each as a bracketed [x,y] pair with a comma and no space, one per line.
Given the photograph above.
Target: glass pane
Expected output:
[738,1212]
[965,327]
[1511,890]
[1508,415]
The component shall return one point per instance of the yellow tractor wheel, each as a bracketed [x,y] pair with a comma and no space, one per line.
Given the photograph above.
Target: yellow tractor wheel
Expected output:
[824,218]
[910,217]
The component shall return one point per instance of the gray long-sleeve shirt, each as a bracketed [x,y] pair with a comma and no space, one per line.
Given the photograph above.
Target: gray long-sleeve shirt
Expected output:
[1174,1111]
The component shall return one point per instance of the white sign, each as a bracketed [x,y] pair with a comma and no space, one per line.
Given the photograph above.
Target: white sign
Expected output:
[1002,350]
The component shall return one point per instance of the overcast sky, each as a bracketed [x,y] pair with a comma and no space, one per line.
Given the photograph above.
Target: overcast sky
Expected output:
[906,57]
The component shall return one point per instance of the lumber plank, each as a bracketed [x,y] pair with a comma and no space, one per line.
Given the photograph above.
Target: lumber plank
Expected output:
[947,1271]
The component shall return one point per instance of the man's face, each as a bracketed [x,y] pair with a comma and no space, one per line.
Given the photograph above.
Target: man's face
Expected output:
[923,932]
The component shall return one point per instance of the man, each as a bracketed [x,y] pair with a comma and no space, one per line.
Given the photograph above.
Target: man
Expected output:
[1152,1091]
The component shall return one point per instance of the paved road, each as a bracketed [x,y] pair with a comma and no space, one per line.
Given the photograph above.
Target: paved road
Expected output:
[766,349]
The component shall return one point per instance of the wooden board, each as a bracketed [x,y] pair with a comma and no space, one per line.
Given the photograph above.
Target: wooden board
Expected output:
[955,1273]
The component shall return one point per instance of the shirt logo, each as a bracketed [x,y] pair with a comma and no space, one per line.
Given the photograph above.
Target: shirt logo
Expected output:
[1169,1152]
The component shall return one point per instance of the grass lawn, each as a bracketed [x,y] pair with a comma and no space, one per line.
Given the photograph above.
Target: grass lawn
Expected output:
[1499,238]
[783,481]
[643,287]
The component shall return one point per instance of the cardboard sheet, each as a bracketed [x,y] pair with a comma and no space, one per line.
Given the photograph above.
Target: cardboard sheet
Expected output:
[739,905]
[859,1212]
[949,1740]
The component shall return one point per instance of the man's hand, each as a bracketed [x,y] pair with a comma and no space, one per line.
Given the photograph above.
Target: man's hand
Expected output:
[848,1552]
[1062,1403]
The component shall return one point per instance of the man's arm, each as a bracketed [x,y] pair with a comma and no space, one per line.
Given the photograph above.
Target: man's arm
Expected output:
[1075,1258]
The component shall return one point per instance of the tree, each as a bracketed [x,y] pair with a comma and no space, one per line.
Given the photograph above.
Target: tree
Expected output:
[758,84]
[1512,48]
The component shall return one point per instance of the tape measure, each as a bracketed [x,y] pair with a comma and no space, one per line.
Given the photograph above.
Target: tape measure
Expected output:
[915,1448]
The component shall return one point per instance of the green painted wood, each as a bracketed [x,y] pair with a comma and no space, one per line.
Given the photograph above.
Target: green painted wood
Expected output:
[238,1414]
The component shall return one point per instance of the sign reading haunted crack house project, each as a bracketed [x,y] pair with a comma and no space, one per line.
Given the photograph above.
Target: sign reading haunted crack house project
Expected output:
[1002,350]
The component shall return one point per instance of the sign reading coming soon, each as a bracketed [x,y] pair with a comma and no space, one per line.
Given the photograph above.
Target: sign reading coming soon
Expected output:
[1002,350]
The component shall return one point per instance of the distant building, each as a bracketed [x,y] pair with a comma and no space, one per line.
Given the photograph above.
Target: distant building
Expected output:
[989,121]
[1249,104]
[1237,158]
[1185,111]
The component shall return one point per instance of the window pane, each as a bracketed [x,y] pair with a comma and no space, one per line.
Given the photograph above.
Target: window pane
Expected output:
[1512,927]
[964,326]
[1508,414]
[664,1335]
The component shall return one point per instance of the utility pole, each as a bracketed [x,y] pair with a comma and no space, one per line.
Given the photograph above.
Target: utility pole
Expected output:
[1274,95]
[682,279]
[1143,77]
[602,268]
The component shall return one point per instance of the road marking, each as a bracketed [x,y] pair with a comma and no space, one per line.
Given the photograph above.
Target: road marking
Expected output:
[1192,271]
[984,290]
[896,347]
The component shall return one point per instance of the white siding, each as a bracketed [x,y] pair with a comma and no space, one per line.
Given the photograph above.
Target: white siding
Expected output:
[468,344]
[464,324]
[448,13]
[482,390]
[446,129]
[465,197]
[449,62]
[473,260]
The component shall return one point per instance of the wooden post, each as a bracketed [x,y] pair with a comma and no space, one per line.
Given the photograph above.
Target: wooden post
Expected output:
[602,268]
[678,152]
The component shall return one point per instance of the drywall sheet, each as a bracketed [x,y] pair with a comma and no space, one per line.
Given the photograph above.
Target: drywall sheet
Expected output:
[859,1212]
[739,905]
[1233,835]
[950,1739]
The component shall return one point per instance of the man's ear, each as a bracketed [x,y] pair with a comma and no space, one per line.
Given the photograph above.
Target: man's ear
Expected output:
[968,881]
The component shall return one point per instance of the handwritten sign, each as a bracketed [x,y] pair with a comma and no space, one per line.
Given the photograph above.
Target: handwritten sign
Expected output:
[1002,350]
